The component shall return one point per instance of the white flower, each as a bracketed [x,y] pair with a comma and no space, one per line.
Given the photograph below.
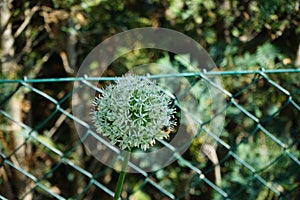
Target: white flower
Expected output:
[132,112]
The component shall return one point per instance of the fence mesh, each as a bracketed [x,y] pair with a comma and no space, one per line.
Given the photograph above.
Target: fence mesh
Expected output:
[257,155]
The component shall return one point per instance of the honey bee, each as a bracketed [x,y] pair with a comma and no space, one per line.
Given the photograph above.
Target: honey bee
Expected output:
[167,130]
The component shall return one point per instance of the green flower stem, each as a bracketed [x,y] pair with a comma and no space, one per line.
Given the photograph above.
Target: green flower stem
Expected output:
[122,176]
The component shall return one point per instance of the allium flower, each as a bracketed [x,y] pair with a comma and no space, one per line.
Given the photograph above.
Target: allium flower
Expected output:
[133,112]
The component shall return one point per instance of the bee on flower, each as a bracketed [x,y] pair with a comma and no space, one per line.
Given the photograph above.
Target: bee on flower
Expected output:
[133,112]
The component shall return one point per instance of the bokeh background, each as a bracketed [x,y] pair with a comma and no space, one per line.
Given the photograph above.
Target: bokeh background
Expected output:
[256,47]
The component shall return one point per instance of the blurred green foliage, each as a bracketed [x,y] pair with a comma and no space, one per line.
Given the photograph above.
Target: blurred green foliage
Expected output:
[237,34]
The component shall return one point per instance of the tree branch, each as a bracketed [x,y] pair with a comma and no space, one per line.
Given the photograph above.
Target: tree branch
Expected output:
[28,13]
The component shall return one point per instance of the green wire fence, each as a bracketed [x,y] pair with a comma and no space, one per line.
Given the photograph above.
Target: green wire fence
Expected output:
[258,153]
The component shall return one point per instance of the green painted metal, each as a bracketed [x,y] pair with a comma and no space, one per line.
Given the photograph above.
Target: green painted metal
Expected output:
[31,134]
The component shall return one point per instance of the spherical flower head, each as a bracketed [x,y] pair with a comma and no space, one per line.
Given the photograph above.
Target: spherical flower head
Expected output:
[133,112]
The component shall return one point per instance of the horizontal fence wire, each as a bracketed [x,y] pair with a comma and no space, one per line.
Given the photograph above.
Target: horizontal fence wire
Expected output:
[204,72]
[258,177]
